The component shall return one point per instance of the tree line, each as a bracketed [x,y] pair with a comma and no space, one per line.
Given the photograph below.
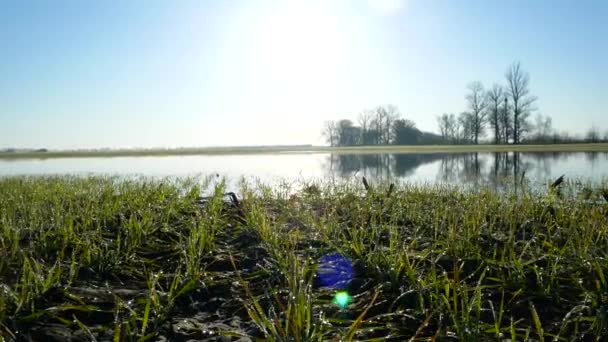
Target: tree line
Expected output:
[503,111]
[382,125]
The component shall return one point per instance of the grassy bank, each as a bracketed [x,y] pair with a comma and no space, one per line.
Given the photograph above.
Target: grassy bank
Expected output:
[305,149]
[102,258]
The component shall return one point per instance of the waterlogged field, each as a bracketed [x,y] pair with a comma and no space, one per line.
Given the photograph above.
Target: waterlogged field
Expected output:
[102,258]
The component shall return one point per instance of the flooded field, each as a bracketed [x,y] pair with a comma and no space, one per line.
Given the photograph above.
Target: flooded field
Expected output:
[493,169]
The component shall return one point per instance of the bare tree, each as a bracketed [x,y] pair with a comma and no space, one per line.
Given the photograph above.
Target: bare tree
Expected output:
[477,105]
[543,128]
[606,136]
[378,124]
[452,127]
[465,132]
[518,89]
[495,98]
[448,127]
[365,121]
[392,114]
[330,133]
[385,116]
[443,123]
[505,120]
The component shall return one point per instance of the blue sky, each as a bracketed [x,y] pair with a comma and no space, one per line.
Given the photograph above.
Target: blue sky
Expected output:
[87,74]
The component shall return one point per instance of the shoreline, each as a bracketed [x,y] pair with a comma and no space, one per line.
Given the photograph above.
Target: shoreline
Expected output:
[381,149]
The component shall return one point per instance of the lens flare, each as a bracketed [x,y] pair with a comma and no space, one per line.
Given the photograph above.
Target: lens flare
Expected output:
[342,299]
[335,271]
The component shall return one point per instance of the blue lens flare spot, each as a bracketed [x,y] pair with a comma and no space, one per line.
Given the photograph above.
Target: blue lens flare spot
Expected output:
[342,299]
[335,271]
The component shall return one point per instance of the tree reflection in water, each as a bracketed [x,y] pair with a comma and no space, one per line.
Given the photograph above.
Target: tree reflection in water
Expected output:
[498,170]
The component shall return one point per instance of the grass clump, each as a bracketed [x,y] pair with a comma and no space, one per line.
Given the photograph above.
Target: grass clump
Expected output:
[103,258]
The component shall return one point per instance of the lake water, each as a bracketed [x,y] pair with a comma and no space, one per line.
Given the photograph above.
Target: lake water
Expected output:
[493,169]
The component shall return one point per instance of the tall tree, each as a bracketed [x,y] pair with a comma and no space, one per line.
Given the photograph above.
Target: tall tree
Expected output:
[495,98]
[392,114]
[330,133]
[543,127]
[452,127]
[443,123]
[448,127]
[378,124]
[365,121]
[465,122]
[477,105]
[505,121]
[522,102]
[383,122]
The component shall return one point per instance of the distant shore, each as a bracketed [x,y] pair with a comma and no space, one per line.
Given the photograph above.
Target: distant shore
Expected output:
[600,147]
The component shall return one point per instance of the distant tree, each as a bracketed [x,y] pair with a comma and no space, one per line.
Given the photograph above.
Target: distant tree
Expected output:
[505,121]
[548,126]
[392,115]
[383,121]
[477,105]
[593,135]
[348,134]
[564,138]
[442,123]
[353,136]
[518,89]
[448,128]
[378,125]
[452,127]
[330,133]
[405,132]
[365,120]
[606,136]
[543,128]
[465,122]
[495,98]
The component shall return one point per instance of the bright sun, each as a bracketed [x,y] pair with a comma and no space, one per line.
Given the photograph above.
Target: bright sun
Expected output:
[387,7]
[298,43]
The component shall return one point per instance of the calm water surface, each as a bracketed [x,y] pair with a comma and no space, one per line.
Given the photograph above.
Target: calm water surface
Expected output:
[464,168]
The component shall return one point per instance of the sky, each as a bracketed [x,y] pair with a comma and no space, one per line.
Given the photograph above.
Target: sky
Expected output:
[150,73]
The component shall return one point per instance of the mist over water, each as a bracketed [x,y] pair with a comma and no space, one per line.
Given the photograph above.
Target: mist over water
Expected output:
[471,169]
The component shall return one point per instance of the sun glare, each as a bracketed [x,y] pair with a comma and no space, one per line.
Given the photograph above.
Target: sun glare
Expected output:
[298,44]
[387,7]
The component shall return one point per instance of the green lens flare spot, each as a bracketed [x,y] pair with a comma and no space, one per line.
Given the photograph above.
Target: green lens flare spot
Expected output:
[342,299]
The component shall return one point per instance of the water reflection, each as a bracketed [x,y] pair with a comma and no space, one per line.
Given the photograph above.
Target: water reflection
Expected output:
[493,169]
[490,169]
